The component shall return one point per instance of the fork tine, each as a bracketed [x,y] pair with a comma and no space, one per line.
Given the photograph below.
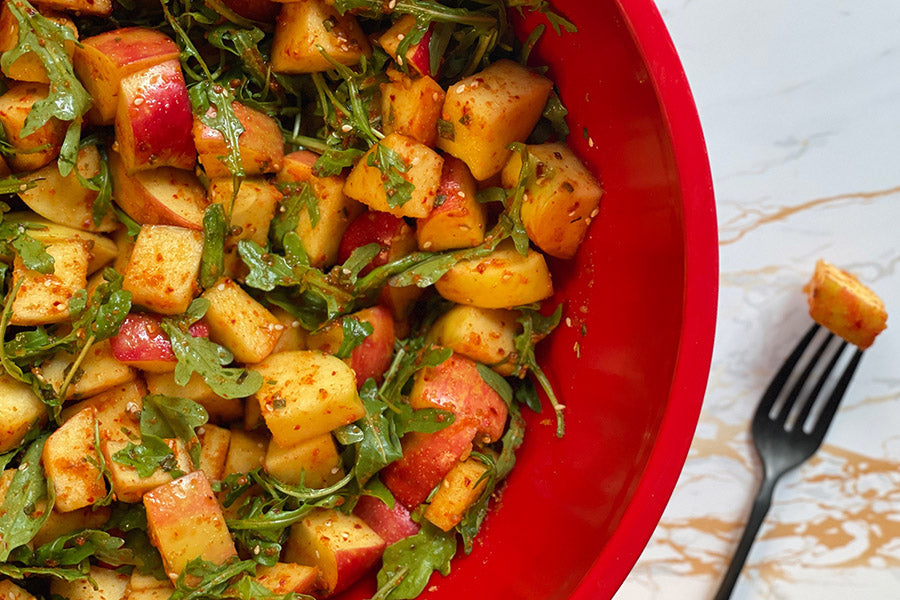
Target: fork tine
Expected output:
[791,399]
[834,401]
[778,382]
[817,389]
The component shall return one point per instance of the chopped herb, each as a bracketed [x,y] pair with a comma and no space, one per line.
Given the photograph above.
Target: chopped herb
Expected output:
[212,261]
[354,333]
[397,189]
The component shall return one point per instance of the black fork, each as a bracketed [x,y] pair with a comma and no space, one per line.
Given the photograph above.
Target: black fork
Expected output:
[781,434]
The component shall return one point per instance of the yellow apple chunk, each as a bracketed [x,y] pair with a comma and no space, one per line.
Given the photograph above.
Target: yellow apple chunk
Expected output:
[127,484]
[118,410]
[72,464]
[261,144]
[292,338]
[220,409]
[486,335]
[10,591]
[44,298]
[421,167]
[163,196]
[560,201]
[459,490]
[61,523]
[342,546]
[162,272]
[64,200]
[486,112]
[314,463]
[306,394]
[240,323]
[503,279]
[250,212]
[20,410]
[303,26]
[29,67]
[246,451]
[841,303]
[412,106]
[213,450]
[460,219]
[99,371]
[285,578]
[185,522]
[38,148]
[101,249]
[104,584]
[336,210]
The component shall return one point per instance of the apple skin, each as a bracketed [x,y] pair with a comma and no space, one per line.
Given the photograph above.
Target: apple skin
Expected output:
[427,458]
[373,356]
[421,56]
[456,386]
[263,11]
[154,119]
[142,343]
[392,525]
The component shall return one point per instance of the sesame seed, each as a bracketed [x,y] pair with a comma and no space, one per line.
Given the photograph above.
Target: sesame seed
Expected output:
[460,88]
[595,212]
[400,37]
[427,245]
[346,128]
[591,142]
[435,96]
[221,287]
[279,327]
[568,321]
[295,324]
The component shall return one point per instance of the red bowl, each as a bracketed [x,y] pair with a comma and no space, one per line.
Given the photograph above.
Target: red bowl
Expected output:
[632,360]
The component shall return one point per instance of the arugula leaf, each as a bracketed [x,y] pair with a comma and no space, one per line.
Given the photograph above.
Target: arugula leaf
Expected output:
[18,523]
[392,166]
[13,185]
[212,260]
[557,21]
[355,333]
[168,417]
[77,547]
[335,160]
[297,197]
[535,327]
[202,356]
[67,99]
[100,183]
[202,579]
[423,10]
[151,454]
[407,565]
[32,252]
[213,104]
[496,381]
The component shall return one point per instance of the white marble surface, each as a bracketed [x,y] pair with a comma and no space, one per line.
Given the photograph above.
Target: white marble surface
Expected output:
[800,105]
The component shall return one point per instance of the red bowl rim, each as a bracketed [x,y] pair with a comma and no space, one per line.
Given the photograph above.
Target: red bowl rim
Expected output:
[699,309]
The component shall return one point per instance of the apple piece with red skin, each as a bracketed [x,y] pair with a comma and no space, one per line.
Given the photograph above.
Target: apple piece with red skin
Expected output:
[342,546]
[421,56]
[427,458]
[397,239]
[142,343]
[456,386]
[154,118]
[373,356]
[263,11]
[392,525]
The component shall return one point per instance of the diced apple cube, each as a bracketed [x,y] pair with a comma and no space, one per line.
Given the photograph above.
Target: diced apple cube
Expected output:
[314,462]
[163,196]
[503,279]
[162,272]
[285,578]
[72,464]
[293,337]
[220,409]
[488,111]
[10,591]
[303,26]
[214,443]
[392,524]
[342,546]
[418,56]
[101,61]
[99,371]
[486,335]
[20,410]
[422,165]
[44,298]
[101,249]
[62,523]
[459,490]
[103,584]
[560,202]
[460,219]
[128,485]
[185,522]
[412,106]
[240,323]
[845,306]
[153,119]
[306,394]
[250,213]
[118,410]
[29,67]
[336,210]
[456,386]
[246,451]
[373,356]
[36,149]
[261,143]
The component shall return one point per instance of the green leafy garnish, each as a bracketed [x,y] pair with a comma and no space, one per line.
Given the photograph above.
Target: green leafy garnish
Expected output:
[208,359]
[67,99]
[212,260]
[354,333]
[392,166]
[20,518]
[407,565]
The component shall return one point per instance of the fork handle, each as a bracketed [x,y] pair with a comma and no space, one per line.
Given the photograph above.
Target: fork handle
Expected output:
[760,508]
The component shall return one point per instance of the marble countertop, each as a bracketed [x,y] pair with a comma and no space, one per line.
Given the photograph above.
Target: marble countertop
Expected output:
[800,106]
